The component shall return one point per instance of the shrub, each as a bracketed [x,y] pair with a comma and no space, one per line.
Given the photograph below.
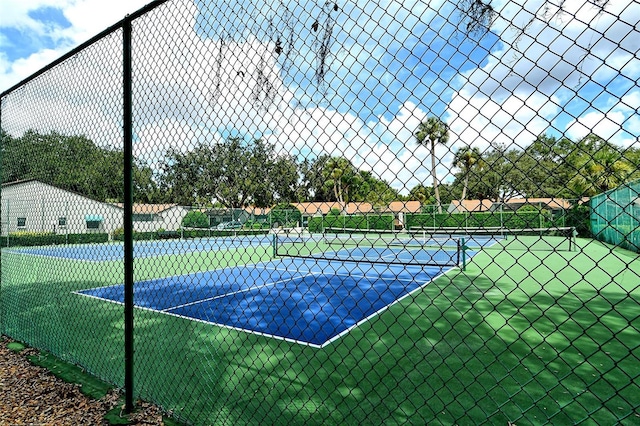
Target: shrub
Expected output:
[195,219]
[286,215]
[118,234]
[26,239]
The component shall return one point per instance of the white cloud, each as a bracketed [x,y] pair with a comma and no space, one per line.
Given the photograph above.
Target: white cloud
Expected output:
[185,92]
[601,124]
[546,57]
[86,17]
[12,72]
[616,125]
[477,120]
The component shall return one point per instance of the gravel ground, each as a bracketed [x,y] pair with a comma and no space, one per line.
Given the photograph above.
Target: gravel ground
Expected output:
[31,395]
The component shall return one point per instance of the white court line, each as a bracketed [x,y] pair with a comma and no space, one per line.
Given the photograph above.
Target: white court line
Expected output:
[380,311]
[284,280]
[350,275]
[419,285]
[268,284]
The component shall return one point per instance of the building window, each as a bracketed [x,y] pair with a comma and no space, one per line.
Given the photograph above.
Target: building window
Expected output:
[22,222]
[94,221]
[62,222]
[143,217]
[93,224]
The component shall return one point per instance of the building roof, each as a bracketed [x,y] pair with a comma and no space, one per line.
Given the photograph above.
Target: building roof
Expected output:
[512,203]
[550,203]
[404,207]
[470,206]
[260,211]
[322,207]
[148,208]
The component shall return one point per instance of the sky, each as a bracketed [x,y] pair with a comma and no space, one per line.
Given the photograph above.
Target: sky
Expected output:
[205,70]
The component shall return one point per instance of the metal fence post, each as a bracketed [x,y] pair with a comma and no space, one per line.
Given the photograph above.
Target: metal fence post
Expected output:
[128,222]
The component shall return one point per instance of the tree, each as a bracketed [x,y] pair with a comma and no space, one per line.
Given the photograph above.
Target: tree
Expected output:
[341,176]
[195,219]
[475,16]
[544,165]
[466,159]
[286,215]
[503,175]
[431,132]
[235,173]
[285,179]
[596,166]
[372,190]
[605,170]
[74,163]
[421,193]
[311,187]
[632,155]
[239,173]
[181,175]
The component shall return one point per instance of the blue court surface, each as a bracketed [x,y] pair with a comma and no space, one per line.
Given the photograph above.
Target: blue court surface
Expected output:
[115,251]
[309,302]
[141,249]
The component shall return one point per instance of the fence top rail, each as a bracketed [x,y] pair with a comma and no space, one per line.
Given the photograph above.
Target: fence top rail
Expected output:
[489,229]
[143,10]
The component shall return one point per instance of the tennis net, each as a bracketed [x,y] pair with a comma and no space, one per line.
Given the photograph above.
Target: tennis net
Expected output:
[375,247]
[533,239]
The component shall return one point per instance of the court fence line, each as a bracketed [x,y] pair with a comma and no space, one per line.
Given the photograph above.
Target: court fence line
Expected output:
[327,212]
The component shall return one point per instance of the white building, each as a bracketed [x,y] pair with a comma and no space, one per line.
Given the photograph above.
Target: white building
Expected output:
[34,206]
[151,217]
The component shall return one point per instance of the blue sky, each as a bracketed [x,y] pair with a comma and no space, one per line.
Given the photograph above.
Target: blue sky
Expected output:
[391,65]
[21,42]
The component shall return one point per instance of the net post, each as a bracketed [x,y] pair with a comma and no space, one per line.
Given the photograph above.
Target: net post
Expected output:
[274,244]
[462,248]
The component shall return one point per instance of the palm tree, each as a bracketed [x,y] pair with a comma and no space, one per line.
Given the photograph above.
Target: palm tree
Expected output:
[466,159]
[431,132]
[341,176]
[605,170]
[421,193]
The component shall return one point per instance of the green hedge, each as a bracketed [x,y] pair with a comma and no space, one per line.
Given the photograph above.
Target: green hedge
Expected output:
[286,215]
[28,239]
[206,233]
[118,235]
[512,220]
[364,222]
[579,218]
[189,233]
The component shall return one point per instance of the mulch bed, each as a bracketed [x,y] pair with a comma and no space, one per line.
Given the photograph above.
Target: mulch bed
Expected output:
[32,395]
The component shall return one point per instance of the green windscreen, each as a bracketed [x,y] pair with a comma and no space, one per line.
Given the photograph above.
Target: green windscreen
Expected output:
[615,216]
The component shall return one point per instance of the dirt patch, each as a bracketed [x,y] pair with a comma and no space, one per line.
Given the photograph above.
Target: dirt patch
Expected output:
[33,395]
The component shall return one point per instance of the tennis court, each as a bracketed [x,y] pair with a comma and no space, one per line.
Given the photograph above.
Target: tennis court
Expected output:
[141,249]
[309,301]
[320,321]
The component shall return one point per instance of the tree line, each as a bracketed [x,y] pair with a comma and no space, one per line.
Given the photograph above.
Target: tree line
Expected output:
[550,167]
[239,172]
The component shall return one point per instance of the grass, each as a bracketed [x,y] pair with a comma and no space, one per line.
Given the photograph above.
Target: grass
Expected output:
[528,337]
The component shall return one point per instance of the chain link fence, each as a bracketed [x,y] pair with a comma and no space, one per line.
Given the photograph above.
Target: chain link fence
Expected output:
[615,215]
[335,212]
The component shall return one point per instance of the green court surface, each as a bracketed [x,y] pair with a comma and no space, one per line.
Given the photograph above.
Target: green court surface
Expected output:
[521,336]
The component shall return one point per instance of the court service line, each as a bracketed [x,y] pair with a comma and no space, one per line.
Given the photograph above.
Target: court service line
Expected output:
[383,309]
[219,296]
[349,275]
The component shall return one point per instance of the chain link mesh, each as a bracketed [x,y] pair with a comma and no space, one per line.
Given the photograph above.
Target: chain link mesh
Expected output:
[344,212]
